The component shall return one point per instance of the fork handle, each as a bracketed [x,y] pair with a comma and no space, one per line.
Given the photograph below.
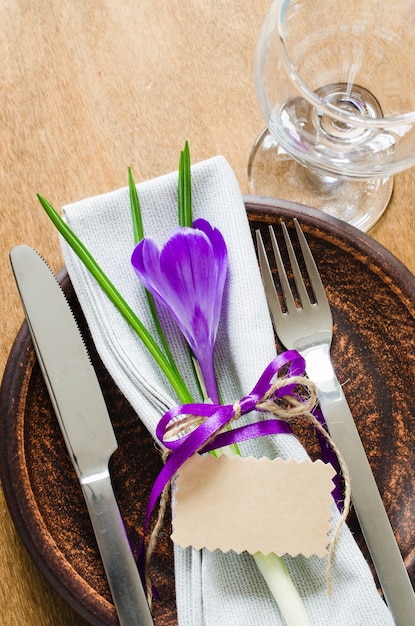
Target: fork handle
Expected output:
[373,520]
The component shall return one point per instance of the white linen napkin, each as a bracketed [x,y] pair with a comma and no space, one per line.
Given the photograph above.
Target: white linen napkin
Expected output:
[212,588]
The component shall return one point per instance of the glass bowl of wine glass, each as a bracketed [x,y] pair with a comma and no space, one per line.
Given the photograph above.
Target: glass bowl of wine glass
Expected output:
[335,82]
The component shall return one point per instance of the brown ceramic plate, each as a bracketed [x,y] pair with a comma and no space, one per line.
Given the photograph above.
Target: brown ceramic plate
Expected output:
[373,302]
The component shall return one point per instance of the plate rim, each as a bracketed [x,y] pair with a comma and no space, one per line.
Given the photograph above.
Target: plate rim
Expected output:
[95,611]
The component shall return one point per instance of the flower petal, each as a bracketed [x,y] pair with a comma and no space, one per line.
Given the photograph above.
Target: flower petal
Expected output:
[188,276]
[221,258]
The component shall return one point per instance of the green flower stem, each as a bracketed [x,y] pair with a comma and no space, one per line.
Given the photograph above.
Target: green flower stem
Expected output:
[113,294]
[278,579]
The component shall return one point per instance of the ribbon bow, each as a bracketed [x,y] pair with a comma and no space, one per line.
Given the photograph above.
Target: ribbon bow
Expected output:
[207,436]
[210,420]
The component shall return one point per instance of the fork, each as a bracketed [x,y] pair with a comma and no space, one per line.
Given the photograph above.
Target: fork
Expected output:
[308,328]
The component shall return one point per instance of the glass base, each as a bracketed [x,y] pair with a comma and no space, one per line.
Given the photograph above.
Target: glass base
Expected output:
[272,172]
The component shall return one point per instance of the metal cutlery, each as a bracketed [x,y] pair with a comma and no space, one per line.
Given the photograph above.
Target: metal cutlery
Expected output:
[306,325]
[83,418]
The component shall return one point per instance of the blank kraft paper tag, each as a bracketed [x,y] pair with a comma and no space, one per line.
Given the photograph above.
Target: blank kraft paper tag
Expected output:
[254,505]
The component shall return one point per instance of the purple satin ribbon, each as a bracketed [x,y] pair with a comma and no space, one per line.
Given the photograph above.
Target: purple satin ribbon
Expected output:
[216,417]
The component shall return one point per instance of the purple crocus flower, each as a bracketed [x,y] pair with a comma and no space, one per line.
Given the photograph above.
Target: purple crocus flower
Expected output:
[188,276]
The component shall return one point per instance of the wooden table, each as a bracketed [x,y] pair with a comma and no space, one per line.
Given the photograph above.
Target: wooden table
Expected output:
[89,87]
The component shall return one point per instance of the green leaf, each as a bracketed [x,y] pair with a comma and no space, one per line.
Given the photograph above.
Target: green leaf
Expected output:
[113,294]
[138,229]
[185,188]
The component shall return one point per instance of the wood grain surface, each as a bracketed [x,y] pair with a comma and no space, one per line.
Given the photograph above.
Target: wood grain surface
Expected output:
[87,88]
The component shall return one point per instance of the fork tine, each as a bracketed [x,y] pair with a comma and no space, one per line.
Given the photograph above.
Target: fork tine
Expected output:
[285,285]
[267,279]
[301,288]
[313,273]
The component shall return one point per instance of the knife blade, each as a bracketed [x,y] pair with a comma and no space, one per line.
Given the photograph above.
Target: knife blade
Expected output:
[84,421]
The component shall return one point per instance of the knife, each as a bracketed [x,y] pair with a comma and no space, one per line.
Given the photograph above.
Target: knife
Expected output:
[85,423]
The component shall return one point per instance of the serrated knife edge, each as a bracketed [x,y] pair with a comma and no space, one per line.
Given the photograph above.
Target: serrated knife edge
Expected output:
[86,426]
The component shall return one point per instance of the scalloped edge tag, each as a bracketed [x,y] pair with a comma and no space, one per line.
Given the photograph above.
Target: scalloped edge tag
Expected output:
[246,504]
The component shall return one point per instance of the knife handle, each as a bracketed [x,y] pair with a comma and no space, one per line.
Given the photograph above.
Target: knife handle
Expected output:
[367,502]
[119,564]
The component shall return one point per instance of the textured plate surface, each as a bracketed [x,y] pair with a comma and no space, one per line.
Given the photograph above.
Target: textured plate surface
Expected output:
[373,302]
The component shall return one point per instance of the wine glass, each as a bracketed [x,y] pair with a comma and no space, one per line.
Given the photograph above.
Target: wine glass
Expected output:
[336,84]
